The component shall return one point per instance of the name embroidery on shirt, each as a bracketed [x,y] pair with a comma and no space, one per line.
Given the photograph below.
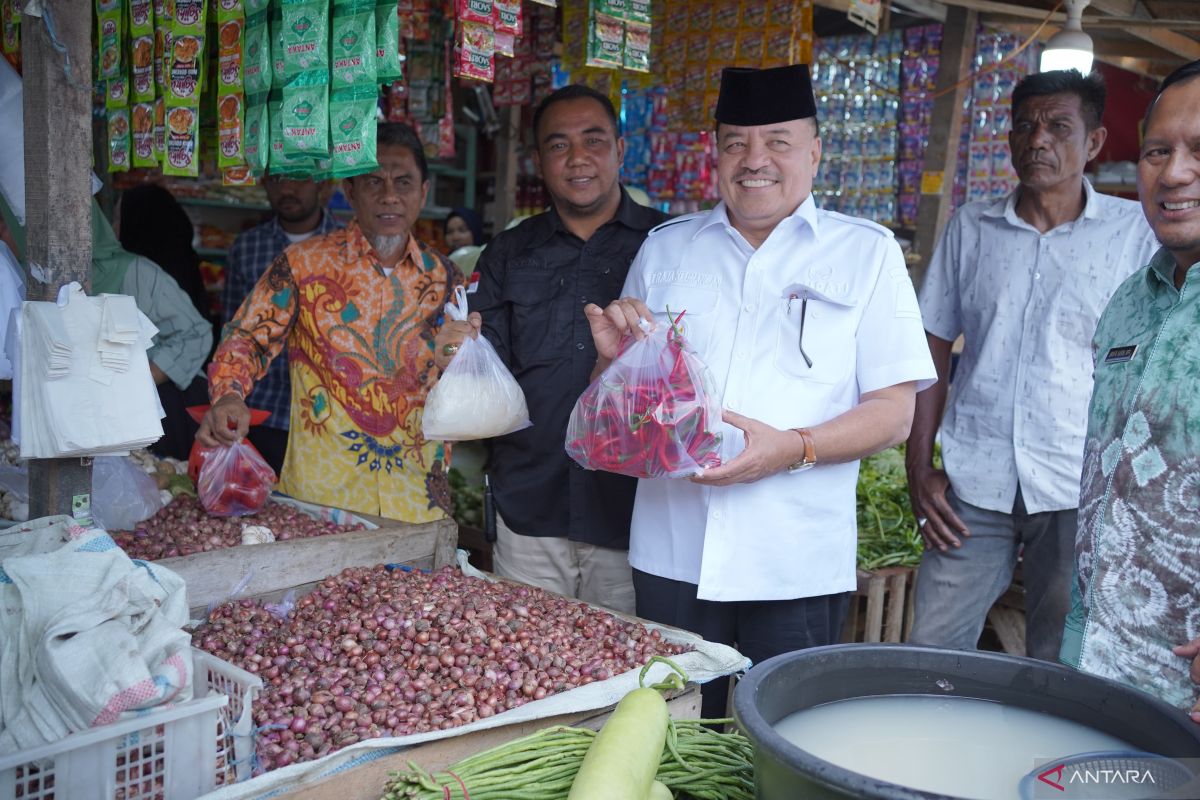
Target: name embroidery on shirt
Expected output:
[1119,355]
[680,277]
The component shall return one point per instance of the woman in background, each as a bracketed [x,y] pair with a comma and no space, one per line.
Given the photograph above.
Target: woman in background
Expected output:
[463,228]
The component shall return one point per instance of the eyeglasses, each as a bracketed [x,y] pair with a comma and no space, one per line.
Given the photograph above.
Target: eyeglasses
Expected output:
[803,309]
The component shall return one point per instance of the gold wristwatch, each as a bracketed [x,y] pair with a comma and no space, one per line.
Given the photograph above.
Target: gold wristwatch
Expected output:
[809,459]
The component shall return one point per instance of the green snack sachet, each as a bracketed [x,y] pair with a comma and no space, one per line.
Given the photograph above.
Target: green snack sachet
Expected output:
[110,30]
[278,75]
[257,69]
[257,145]
[305,115]
[305,37]
[352,115]
[387,42]
[352,44]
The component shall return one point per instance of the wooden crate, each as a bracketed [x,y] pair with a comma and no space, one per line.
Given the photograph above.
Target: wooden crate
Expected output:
[299,564]
[881,609]
[366,781]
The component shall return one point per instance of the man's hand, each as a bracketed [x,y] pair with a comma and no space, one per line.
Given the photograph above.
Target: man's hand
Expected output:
[1191,650]
[941,527]
[227,421]
[609,325]
[453,333]
[768,451]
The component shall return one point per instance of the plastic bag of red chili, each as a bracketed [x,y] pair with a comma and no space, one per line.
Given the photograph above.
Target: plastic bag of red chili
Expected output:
[235,481]
[652,414]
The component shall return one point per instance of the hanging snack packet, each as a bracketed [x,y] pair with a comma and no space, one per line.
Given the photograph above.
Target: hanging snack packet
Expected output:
[238,176]
[352,129]
[229,55]
[184,76]
[256,6]
[142,124]
[305,37]
[160,129]
[279,161]
[637,47]
[230,131]
[652,414]
[605,41]
[10,23]
[387,42]
[480,11]
[161,25]
[475,51]
[182,143]
[110,28]
[508,16]
[305,115]
[256,54]
[353,44]
[639,11]
[278,71]
[118,140]
[141,50]
[257,143]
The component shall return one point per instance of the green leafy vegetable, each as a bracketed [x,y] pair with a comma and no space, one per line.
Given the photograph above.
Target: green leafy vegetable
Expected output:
[887,531]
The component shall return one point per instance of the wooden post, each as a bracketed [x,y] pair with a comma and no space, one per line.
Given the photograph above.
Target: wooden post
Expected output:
[57,76]
[507,146]
[941,153]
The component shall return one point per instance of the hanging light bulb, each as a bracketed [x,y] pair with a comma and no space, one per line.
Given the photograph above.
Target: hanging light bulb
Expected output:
[1070,48]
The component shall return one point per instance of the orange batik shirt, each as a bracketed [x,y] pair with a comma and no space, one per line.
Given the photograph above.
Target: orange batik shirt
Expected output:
[360,355]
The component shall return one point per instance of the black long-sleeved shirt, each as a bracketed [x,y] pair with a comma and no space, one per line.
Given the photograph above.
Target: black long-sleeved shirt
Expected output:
[534,281]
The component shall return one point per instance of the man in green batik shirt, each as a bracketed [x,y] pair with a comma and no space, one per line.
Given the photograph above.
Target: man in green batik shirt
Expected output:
[1136,600]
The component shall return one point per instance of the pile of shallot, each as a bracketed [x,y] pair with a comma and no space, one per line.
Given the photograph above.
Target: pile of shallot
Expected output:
[183,527]
[375,652]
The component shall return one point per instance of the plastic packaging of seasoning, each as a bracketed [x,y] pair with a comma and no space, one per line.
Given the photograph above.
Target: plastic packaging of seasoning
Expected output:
[305,37]
[605,41]
[352,44]
[118,139]
[160,129]
[230,80]
[110,29]
[508,17]
[256,54]
[639,11]
[280,161]
[161,26]
[305,115]
[387,42]
[257,142]
[278,71]
[256,6]
[637,47]
[185,72]
[479,11]
[142,126]
[182,141]
[352,130]
[475,51]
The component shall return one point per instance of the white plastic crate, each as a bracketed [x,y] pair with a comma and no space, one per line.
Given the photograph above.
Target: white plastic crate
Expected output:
[175,753]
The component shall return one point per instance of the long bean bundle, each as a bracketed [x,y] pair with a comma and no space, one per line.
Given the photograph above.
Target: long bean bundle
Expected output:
[697,762]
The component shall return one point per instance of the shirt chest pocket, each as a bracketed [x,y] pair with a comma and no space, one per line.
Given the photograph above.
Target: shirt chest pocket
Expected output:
[697,304]
[535,314]
[815,336]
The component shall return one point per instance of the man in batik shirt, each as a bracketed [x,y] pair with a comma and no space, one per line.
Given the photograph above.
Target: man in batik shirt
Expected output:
[1136,609]
[358,311]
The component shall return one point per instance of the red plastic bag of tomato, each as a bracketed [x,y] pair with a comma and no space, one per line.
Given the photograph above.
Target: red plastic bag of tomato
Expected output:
[235,481]
[652,414]
[199,452]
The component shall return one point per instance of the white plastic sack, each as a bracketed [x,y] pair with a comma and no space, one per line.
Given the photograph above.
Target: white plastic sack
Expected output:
[706,662]
[122,493]
[86,634]
[477,397]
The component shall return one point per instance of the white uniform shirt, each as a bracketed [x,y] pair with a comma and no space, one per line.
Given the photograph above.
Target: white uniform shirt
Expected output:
[1027,304]
[789,535]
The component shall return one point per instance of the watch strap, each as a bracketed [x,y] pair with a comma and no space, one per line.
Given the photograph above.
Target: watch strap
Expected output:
[809,458]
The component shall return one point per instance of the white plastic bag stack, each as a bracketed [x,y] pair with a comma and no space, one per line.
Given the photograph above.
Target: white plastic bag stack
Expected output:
[86,634]
[82,378]
[477,397]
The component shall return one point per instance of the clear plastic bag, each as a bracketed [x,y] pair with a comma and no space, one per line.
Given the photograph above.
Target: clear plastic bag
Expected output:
[652,414]
[476,397]
[122,493]
[235,481]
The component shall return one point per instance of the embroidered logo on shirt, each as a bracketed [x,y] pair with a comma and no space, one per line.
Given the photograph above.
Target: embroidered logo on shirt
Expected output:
[1118,355]
[681,277]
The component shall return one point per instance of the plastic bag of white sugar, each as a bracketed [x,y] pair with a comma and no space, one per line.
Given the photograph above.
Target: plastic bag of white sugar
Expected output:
[477,397]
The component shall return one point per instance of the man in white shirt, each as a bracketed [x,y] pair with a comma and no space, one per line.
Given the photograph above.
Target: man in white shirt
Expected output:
[1024,280]
[810,327]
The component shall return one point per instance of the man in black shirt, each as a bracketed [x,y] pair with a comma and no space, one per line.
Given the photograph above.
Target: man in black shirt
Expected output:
[558,526]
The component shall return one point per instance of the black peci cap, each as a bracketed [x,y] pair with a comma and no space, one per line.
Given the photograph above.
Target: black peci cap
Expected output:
[765,96]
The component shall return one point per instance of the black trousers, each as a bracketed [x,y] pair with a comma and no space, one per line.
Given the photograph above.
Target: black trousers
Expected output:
[759,629]
[272,443]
